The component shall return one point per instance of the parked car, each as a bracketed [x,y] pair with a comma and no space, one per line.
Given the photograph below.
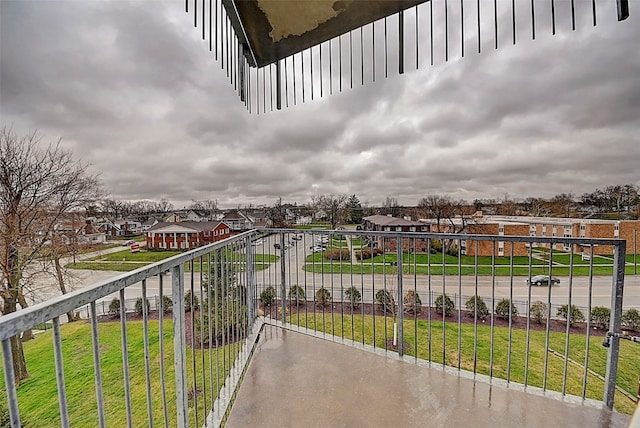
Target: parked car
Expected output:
[276,246]
[543,280]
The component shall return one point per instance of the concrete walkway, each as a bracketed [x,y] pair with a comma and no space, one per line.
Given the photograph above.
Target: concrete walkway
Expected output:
[296,380]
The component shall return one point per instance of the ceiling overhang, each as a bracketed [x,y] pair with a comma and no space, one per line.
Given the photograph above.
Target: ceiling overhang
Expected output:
[272,30]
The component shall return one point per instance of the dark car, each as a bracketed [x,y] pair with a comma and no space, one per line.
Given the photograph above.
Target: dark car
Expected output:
[276,246]
[543,280]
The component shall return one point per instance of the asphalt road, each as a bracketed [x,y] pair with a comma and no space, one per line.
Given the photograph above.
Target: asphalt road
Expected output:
[487,287]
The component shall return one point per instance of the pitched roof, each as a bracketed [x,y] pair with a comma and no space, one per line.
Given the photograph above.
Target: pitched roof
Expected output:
[384,220]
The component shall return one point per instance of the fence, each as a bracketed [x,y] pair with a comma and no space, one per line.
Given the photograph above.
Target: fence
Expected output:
[377,290]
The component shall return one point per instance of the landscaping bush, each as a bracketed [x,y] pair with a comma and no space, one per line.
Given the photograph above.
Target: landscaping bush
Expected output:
[353,297]
[323,297]
[297,295]
[412,303]
[600,316]
[167,304]
[337,254]
[576,314]
[502,309]
[114,307]
[240,293]
[385,301]
[475,305]
[230,323]
[538,311]
[453,251]
[631,319]
[138,307]
[435,247]
[190,303]
[268,296]
[444,304]
[367,254]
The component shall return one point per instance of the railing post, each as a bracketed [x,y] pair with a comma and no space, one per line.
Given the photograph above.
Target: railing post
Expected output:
[179,345]
[619,259]
[400,294]
[250,281]
[283,285]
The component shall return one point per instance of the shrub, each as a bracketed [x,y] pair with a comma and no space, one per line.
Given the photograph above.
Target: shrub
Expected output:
[385,301]
[367,254]
[337,254]
[435,247]
[240,293]
[453,251]
[600,316]
[353,297]
[475,305]
[412,302]
[138,307]
[502,309]
[631,319]
[538,311]
[225,324]
[297,295]
[167,304]
[190,303]
[444,304]
[576,314]
[268,296]
[114,307]
[323,297]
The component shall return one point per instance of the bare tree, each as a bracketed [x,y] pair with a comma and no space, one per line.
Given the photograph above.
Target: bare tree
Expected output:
[391,206]
[451,216]
[38,184]
[277,214]
[332,205]
[210,206]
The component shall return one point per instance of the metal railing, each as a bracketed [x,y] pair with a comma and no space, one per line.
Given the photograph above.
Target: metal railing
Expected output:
[174,365]
[381,291]
[419,305]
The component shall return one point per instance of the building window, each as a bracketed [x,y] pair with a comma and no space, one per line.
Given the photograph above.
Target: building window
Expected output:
[412,229]
[173,244]
[500,251]
[616,231]
[423,228]
[387,229]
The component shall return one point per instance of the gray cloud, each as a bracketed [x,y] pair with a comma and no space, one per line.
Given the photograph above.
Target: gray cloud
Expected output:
[132,89]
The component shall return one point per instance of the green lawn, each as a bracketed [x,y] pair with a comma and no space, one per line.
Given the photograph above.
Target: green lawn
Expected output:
[434,350]
[125,261]
[37,395]
[366,267]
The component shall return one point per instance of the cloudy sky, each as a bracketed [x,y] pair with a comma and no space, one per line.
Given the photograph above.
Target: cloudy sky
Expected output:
[131,89]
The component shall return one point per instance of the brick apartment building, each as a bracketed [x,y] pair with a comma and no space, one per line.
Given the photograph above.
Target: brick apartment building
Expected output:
[186,235]
[628,230]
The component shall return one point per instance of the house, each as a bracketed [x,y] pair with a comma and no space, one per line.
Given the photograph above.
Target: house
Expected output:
[185,235]
[238,221]
[388,223]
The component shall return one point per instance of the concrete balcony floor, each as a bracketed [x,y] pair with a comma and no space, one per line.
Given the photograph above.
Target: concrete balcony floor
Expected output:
[295,380]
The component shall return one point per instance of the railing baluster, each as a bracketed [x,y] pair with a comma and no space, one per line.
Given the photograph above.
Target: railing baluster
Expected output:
[147,363]
[125,357]
[619,257]
[57,355]
[179,346]
[163,387]
[96,365]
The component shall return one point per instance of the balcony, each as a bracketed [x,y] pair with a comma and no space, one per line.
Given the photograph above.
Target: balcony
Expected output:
[335,328]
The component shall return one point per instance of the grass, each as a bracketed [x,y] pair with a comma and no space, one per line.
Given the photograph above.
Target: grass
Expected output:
[37,396]
[425,263]
[443,346]
[125,261]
